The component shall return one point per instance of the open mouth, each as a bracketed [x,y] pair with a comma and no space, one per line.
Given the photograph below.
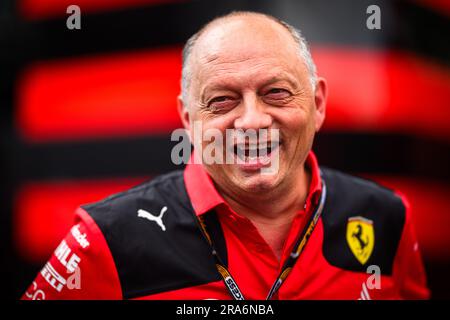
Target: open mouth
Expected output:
[255,153]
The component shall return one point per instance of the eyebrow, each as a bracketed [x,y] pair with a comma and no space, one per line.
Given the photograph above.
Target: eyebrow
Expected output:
[279,77]
[282,77]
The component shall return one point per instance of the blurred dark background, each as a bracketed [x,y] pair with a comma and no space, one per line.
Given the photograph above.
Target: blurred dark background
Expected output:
[86,113]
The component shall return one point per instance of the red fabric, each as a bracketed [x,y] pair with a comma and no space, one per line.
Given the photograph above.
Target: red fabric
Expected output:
[244,245]
[98,278]
[409,272]
[255,267]
[250,259]
[205,197]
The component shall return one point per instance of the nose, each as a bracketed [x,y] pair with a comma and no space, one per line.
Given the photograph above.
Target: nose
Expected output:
[254,115]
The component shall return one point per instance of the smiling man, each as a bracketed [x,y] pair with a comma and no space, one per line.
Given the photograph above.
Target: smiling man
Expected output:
[246,71]
[231,229]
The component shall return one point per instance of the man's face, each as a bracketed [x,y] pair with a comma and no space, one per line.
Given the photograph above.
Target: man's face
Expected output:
[249,75]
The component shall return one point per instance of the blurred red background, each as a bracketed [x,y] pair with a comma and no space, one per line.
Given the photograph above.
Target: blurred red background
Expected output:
[91,110]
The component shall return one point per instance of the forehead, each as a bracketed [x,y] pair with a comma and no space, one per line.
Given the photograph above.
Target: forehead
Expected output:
[244,45]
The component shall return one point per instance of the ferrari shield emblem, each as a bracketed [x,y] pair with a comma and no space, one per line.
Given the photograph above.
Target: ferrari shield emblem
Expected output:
[360,238]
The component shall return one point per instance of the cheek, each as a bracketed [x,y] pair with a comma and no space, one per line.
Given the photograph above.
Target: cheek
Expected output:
[216,123]
[298,131]
[296,123]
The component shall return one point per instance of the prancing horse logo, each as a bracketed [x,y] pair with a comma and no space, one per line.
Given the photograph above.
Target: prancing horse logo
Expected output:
[360,238]
[158,219]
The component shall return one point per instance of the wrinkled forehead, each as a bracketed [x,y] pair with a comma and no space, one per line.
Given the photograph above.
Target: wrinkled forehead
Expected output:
[242,39]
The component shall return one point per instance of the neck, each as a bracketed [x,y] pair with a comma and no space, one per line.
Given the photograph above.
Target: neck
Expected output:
[272,212]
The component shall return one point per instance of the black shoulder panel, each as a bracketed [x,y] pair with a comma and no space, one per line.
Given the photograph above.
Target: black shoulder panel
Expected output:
[149,259]
[349,197]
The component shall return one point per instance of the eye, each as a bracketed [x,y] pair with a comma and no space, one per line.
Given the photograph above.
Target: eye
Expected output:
[220,103]
[278,93]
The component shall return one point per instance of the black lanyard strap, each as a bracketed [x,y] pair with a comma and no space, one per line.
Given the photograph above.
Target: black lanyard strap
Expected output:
[299,246]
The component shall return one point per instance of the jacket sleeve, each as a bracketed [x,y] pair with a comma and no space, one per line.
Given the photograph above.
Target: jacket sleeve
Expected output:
[81,267]
[409,272]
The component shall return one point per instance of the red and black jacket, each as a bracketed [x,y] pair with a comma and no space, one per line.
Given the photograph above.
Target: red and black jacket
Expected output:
[119,255]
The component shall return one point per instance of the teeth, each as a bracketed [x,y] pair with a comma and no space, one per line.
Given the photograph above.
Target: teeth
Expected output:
[254,152]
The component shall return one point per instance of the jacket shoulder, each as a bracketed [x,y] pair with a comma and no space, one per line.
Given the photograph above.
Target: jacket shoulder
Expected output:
[363,223]
[154,238]
[162,189]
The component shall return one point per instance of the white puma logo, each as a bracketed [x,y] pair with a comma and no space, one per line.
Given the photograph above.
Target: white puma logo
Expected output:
[157,219]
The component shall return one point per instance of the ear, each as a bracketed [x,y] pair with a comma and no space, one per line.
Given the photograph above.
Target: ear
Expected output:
[320,99]
[184,113]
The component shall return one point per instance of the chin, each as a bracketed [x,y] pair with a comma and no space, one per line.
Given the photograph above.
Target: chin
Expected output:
[259,183]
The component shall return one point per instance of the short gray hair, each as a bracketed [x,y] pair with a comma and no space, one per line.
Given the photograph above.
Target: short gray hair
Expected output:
[305,53]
